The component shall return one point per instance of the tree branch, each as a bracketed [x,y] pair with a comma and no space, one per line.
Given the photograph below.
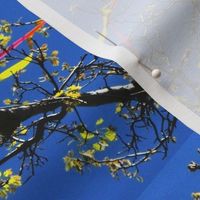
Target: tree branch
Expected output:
[113,95]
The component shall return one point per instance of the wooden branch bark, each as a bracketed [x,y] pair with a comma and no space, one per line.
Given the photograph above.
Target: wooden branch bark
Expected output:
[113,95]
[11,117]
[38,136]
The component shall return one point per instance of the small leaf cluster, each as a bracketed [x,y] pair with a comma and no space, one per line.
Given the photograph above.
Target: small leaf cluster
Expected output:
[9,183]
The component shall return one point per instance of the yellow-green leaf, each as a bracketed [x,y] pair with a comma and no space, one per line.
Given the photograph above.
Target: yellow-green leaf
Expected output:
[99,121]
[126,163]
[68,163]
[3,62]
[55,61]
[60,93]
[7,101]
[100,146]
[86,135]
[8,173]
[4,40]
[74,88]
[97,147]
[15,181]
[44,47]
[23,131]
[110,135]
[118,107]
[196,195]
[10,183]
[54,53]
[89,153]
[25,103]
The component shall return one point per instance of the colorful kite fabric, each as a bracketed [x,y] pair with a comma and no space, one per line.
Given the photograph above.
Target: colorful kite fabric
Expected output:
[16,68]
[22,39]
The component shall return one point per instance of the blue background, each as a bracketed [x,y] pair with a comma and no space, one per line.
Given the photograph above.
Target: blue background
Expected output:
[163,179]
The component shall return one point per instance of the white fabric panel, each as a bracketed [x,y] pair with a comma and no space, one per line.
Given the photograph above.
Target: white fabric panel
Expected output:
[163,34]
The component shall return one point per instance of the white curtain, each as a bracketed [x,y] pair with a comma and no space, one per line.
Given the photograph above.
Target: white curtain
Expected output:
[162,34]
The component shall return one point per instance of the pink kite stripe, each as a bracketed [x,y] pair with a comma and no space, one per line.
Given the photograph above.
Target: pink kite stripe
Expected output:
[20,40]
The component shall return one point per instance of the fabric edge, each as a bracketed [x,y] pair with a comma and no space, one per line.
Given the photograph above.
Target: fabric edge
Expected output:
[122,56]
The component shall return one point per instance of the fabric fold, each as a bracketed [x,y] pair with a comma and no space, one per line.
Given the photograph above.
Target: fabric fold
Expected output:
[160,34]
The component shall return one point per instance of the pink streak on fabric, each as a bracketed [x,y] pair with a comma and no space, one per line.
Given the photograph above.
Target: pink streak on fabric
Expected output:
[20,40]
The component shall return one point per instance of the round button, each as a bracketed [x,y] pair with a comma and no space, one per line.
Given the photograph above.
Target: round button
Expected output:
[156,73]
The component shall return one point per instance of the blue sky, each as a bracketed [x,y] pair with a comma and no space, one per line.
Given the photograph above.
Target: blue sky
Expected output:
[163,179]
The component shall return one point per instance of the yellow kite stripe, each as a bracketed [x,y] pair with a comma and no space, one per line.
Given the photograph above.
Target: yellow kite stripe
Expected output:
[16,68]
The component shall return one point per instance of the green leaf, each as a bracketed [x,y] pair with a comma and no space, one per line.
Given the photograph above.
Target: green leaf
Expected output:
[86,135]
[99,121]
[110,135]
[25,103]
[97,147]
[10,183]
[8,173]
[5,27]
[119,107]
[68,163]
[71,162]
